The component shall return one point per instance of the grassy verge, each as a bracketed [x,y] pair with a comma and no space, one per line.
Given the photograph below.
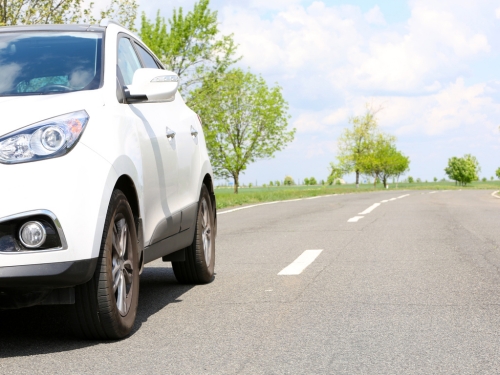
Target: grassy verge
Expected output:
[226,197]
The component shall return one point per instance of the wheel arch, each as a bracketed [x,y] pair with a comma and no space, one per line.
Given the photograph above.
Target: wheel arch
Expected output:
[207,180]
[126,185]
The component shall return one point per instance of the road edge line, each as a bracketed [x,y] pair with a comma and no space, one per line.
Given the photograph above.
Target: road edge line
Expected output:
[273,202]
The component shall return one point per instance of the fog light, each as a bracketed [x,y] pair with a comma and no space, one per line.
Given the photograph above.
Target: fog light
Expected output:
[32,234]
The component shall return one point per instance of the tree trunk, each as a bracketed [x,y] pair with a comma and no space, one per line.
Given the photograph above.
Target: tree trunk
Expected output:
[385,182]
[375,181]
[357,179]
[236,178]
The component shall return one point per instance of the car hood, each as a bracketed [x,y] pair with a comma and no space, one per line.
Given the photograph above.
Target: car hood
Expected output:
[20,111]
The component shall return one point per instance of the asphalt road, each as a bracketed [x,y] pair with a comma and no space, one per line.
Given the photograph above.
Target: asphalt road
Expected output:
[412,287]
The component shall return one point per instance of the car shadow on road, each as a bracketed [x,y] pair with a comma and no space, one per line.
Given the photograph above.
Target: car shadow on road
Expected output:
[46,329]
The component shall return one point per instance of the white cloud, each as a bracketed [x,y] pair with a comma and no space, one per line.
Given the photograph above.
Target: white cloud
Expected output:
[375,16]
[340,44]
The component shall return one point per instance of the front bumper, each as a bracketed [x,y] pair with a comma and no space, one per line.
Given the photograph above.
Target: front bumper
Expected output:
[47,276]
[76,189]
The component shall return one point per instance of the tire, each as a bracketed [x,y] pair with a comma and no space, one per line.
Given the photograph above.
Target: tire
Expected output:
[198,268]
[106,306]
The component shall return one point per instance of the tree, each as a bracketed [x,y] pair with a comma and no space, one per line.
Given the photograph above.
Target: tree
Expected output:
[288,181]
[28,12]
[190,44]
[497,173]
[277,183]
[312,181]
[306,181]
[410,180]
[243,120]
[336,173]
[463,170]
[384,160]
[354,144]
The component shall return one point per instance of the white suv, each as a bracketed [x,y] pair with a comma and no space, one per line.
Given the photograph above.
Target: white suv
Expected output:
[103,168]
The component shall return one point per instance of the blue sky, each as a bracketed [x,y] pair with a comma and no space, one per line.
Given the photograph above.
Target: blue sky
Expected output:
[433,66]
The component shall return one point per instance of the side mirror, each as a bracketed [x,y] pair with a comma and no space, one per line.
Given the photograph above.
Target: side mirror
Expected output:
[152,85]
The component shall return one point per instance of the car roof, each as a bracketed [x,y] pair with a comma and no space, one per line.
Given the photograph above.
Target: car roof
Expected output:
[52,28]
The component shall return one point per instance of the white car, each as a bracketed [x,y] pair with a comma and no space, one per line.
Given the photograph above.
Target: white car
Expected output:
[103,168]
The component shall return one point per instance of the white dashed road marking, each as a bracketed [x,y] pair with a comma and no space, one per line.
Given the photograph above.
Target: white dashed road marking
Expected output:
[370,209]
[301,263]
[355,219]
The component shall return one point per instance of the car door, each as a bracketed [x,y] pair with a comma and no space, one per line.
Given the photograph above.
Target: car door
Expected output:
[189,164]
[161,121]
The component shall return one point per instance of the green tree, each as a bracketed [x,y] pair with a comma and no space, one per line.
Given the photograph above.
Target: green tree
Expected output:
[271,183]
[356,143]
[243,120]
[312,181]
[384,160]
[277,183]
[435,179]
[410,180]
[288,181]
[306,181]
[497,173]
[28,12]
[190,44]
[463,170]
[336,173]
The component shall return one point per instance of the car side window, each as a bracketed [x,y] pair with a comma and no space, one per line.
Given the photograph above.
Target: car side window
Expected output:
[128,62]
[147,59]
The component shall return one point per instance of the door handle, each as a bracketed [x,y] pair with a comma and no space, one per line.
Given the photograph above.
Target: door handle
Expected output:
[194,132]
[170,134]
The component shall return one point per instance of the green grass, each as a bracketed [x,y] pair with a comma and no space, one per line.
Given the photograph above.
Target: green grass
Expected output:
[226,197]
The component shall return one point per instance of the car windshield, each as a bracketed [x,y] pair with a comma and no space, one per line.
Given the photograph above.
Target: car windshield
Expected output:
[37,63]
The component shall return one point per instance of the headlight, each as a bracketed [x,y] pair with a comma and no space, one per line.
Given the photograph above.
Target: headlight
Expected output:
[47,139]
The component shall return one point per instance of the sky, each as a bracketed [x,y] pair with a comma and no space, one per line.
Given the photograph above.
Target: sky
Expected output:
[432,67]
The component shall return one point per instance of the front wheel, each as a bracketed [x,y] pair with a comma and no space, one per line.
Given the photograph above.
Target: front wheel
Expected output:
[106,306]
[198,268]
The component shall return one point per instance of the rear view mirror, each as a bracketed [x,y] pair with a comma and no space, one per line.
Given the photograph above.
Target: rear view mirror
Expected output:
[152,85]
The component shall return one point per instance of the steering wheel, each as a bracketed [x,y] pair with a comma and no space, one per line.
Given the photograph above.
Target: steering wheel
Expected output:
[55,88]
